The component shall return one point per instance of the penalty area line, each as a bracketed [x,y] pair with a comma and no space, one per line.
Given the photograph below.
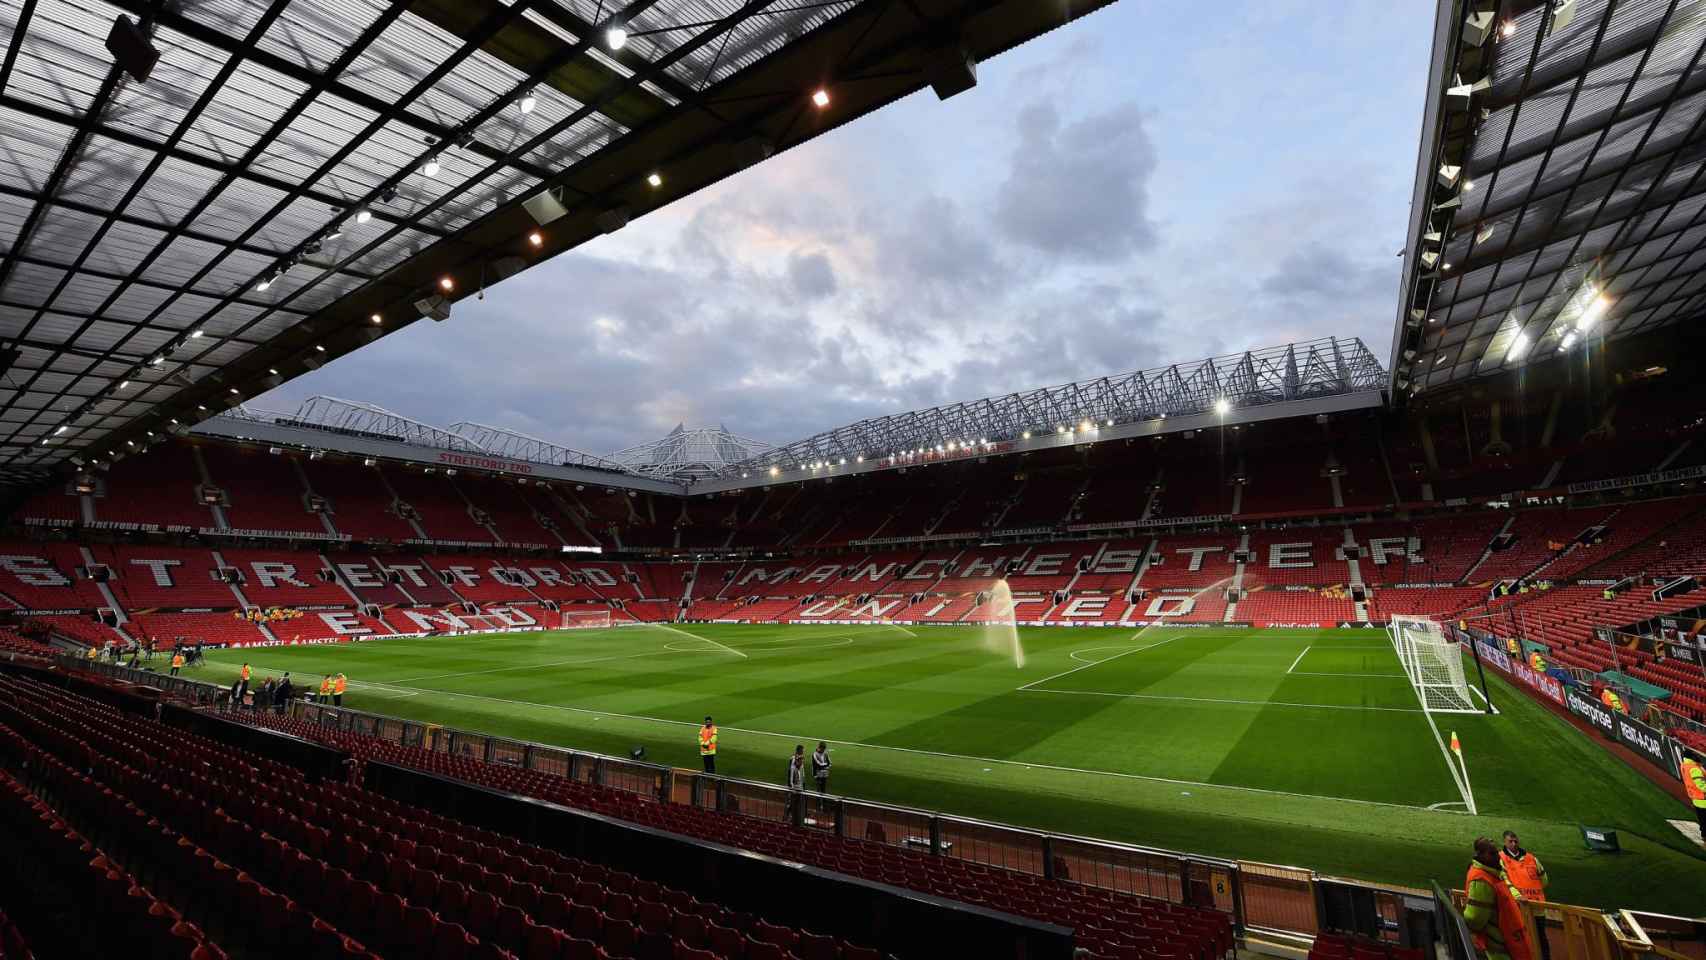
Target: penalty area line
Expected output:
[1299,659]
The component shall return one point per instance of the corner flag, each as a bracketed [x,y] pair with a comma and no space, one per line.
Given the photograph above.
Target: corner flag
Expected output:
[1456,747]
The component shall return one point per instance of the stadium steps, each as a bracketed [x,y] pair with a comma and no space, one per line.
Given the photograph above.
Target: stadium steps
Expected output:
[1675,454]
[308,489]
[206,480]
[1487,551]
[105,589]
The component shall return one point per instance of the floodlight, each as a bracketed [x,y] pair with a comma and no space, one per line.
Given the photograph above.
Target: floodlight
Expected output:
[536,238]
[197,332]
[1222,406]
[376,318]
[529,100]
[616,35]
[363,215]
[431,168]
[820,97]
[446,283]
[654,179]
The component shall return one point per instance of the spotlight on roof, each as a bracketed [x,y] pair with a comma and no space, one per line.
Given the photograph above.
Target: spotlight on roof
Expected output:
[1507,30]
[123,384]
[1223,406]
[536,238]
[528,101]
[616,35]
[196,333]
[1477,27]
[363,215]
[446,283]
[654,179]
[434,307]
[376,318]
[545,206]
[820,98]
[265,282]
[431,168]
[1518,347]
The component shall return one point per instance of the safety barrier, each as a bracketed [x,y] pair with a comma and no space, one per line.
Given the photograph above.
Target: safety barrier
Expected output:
[1280,900]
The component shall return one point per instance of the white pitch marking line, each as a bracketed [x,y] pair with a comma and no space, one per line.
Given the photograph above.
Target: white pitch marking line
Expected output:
[1299,659]
[930,753]
[715,643]
[1251,703]
[1389,676]
[1087,666]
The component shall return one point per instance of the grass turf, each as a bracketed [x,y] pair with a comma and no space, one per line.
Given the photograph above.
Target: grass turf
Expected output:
[1300,746]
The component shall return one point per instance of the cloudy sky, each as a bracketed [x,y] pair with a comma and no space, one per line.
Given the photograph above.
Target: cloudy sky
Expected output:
[1138,188]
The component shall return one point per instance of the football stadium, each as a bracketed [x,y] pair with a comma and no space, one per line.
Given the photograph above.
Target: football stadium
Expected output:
[1230,657]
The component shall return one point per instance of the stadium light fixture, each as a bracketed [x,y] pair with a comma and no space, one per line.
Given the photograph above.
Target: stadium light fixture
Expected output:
[1086,427]
[820,97]
[156,360]
[1468,185]
[1507,30]
[528,101]
[431,168]
[319,348]
[196,333]
[336,231]
[616,35]
[376,318]
[1595,309]
[232,389]
[536,238]
[61,429]
[266,281]
[446,283]
[1222,406]
[123,384]
[363,215]
[273,371]
[1518,347]
[655,179]
[1026,435]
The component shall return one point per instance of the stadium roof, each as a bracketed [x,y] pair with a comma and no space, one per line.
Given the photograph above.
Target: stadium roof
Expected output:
[1559,196]
[294,176]
[689,455]
[1324,376]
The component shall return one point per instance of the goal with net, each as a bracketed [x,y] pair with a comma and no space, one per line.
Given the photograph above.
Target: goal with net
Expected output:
[1433,664]
[585,618]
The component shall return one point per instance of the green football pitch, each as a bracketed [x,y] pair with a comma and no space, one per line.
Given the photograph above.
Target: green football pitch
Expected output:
[1302,747]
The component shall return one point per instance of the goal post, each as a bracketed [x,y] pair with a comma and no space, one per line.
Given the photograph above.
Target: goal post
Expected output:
[588,618]
[1433,665]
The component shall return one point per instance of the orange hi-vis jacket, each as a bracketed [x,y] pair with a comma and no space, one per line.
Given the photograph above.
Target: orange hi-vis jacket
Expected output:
[1509,935]
[707,741]
[178,660]
[339,684]
[325,686]
[1611,700]
[1526,875]
[245,673]
[1694,781]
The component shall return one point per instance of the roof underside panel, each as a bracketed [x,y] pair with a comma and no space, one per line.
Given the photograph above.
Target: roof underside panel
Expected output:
[291,168]
[1578,212]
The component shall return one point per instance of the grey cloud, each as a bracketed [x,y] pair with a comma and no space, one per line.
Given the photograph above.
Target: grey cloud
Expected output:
[812,275]
[1080,188]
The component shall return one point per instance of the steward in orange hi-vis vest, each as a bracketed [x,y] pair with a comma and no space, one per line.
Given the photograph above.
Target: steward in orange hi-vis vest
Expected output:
[1523,870]
[1491,908]
[708,745]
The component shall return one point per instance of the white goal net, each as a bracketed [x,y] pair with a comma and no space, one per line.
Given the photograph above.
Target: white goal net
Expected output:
[585,618]
[1433,664]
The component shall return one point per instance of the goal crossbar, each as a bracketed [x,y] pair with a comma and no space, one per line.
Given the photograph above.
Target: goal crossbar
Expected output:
[1432,663]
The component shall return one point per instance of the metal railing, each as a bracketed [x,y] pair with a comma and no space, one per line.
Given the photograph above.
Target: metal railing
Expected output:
[1259,896]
